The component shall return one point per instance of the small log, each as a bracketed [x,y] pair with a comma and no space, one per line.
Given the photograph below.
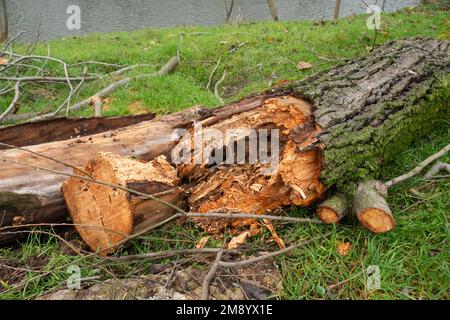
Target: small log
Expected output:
[371,208]
[105,216]
[333,209]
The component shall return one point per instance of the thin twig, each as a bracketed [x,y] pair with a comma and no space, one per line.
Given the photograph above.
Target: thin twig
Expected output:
[210,275]
[437,167]
[13,104]
[166,69]
[216,87]
[4,229]
[5,47]
[229,10]
[212,73]
[55,113]
[419,168]
[71,246]
[245,262]
[45,157]
[170,253]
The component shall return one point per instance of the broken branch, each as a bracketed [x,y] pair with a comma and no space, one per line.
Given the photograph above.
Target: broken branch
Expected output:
[165,70]
[12,106]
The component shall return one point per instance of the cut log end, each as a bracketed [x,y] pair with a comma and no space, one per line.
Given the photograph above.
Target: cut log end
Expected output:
[371,208]
[103,216]
[328,215]
[333,209]
[377,220]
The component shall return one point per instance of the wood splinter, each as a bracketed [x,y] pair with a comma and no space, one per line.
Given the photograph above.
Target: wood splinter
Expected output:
[333,209]
[371,208]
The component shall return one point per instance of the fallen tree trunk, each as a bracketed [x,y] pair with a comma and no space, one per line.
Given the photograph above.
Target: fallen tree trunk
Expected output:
[335,129]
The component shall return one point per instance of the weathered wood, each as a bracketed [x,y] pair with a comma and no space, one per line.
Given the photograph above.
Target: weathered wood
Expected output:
[29,196]
[372,107]
[3,21]
[361,114]
[46,131]
[105,216]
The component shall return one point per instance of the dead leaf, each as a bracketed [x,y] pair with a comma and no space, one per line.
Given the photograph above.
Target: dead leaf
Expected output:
[275,236]
[238,241]
[202,242]
[343,248]
[107,103]
[254,228]
[3,61]
[302,65]
[18,220]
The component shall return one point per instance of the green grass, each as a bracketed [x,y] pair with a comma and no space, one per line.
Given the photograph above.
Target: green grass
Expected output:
[413,259]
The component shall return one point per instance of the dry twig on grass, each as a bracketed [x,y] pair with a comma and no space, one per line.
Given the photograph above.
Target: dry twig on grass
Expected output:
[419,168]
[20,64]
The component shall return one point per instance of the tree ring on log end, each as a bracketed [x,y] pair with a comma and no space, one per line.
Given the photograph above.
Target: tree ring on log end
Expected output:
[328,215]
[377,220]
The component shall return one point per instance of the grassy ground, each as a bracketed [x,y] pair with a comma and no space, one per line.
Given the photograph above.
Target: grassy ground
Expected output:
[413,259]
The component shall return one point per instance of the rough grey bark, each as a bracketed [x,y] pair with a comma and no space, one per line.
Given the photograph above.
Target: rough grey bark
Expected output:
[372,107]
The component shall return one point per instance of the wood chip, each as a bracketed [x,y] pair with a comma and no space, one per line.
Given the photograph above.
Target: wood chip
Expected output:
[256,186]
[238,241]
[299,190]
[302,65]
[343,248]
[202,242]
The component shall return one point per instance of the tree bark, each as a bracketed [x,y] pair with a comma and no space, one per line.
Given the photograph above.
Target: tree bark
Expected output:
[273,10]
[337,8]
[337,127]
